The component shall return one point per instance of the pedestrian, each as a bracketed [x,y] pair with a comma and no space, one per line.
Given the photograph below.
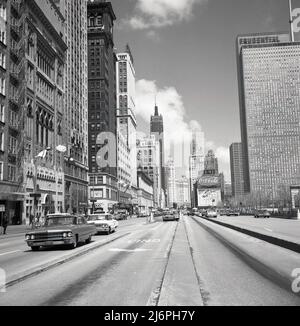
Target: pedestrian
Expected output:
[5,222]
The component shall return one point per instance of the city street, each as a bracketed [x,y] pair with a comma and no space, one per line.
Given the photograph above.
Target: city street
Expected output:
[151,264]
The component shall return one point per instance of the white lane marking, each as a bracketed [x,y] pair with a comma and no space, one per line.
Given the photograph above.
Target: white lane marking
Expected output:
[269,230]
[10,252]
[128,250]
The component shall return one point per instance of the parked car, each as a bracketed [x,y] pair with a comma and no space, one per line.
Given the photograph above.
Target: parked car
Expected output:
[211,214]
[105,223]
[262,214]
[232,213]
[61,229]
[142,215]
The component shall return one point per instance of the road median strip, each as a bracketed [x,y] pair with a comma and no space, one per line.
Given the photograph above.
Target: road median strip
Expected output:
[22,276]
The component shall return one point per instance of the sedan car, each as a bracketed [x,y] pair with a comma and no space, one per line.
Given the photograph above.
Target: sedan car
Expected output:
[61,229]
[104,223]
[211,214]
[171,216]
[262,214]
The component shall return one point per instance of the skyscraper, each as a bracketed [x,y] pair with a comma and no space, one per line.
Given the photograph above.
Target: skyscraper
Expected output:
[157,129]
[171,182]
[237,174]
[196,160]
[102,104]
[126,120]
[76,104]
[269,83]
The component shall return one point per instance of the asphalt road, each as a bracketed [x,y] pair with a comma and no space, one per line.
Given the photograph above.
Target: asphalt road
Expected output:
[153,264]
[284,229]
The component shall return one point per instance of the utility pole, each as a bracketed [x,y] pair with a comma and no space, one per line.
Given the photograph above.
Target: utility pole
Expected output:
[291,22]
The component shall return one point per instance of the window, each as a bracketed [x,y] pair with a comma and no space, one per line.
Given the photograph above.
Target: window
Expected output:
[2,109]
[1,141]
[1,171]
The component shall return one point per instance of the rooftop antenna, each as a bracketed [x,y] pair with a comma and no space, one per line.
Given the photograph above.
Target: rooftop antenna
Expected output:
[291,22]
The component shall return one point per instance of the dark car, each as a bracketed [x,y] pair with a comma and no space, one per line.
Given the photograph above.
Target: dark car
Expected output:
[262,214]
[61,229]
[232,213]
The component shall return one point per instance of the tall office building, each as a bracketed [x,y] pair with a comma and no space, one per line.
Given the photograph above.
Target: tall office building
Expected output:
[237,174]
[76,104]
[183,192]
[103,188]
[171,182]
[157,129]
[148,161]
[269,83]
[126,119]
[196,160]
[31,110]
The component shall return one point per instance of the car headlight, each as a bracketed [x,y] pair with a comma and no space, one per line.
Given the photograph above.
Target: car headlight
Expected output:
[27,237]
[70,234]
[32,237]
[65,235]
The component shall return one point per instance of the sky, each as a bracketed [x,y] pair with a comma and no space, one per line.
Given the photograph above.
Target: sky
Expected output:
[184,53]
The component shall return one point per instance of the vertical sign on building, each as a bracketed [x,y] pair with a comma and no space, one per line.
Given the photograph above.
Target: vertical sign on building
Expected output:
[295,19]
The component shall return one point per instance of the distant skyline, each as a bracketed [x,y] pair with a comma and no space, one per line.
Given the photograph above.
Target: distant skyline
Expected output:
[184,51]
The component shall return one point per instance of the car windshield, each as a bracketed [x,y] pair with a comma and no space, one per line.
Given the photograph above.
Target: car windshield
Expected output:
[96,218]
[57,221]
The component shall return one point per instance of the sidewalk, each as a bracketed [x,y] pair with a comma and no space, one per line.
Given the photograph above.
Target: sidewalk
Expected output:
[14,230]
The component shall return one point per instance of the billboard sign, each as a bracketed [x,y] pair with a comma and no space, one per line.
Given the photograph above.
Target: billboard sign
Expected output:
[209,181]
[295,18]
[209,197]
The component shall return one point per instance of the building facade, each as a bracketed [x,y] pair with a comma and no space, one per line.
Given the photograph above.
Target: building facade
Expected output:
[33,110]
[145,193]
[183,198]
[209,187]
[103,188]
[237,173]
[269,77]
[148,161]
[75,121]
[196,160]
[171,182]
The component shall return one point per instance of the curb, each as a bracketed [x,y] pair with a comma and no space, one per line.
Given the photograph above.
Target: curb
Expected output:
[286,244]
[282,278]
[57,262]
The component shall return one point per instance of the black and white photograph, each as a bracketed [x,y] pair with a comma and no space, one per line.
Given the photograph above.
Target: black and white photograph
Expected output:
[149,156]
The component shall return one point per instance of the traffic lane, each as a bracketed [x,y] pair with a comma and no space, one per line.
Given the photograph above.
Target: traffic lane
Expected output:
[125,272]
[225,279]
[285,229]
[17,257]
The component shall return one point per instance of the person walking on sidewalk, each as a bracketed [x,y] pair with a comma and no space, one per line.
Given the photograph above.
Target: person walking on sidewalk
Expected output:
[5,222]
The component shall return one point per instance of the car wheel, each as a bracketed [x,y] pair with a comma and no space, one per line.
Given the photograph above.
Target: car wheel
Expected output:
[109,231]
[75,243]
[89,240]
[35,248]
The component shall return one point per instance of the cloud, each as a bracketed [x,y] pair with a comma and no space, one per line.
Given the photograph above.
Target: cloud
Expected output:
[161,13]
[178,131]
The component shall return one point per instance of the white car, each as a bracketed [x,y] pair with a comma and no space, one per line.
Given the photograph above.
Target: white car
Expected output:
[105,223]
[211,214]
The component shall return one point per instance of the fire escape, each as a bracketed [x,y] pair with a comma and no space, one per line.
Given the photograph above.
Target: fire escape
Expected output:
[18,86]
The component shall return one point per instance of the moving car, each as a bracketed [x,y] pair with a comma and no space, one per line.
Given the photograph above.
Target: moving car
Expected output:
[262,214]
[104,223]
[171,216]
[61,229]
[121,215]
[211,214]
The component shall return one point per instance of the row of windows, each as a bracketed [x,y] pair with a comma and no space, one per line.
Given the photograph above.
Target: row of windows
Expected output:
[2,60]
